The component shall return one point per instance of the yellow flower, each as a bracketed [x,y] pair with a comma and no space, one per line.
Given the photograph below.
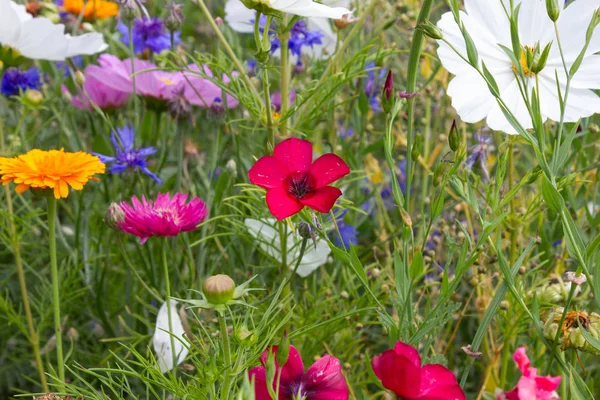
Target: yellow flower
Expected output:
[94,9]
[52,169]
[372,169]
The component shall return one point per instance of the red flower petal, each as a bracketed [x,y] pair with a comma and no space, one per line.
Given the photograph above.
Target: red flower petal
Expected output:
[293,368]
[439,383]
[327,169]
[268,173]
[261,392]
[281,204]
[324,380]
[399,370]
[323,199]
[295,154]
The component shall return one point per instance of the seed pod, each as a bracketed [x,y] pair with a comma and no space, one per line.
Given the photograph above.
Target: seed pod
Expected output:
[430,30]
[416,149]
[454,137]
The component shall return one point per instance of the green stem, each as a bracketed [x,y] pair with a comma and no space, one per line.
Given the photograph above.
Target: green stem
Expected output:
[513,229]
[180,144]
[55,287]
[228,49]
[226,356]
[168,301]
[411,86]
[285,74]
[136,100]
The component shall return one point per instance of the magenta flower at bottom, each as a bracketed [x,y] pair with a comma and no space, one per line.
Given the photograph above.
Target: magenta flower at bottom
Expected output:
[165,216]
[322,381]
[531,386]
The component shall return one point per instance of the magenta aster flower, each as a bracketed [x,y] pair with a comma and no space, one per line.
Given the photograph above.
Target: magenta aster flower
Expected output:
[165,216]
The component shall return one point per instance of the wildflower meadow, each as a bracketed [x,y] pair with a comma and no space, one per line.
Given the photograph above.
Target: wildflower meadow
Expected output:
[300,199]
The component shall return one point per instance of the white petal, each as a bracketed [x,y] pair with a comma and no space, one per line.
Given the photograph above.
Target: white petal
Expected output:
[588,74]
[581,103]
[21,11]
[572,26]
[88,44]
[328,42]
[40,39]
[10,25]
[266,236]
[238,16]
[511,96]
[308,8]
[312,258]
[492,16]
[534,24]
[162,337]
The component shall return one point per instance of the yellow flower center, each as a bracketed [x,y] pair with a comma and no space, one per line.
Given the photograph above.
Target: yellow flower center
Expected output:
[167,81]
[523,61]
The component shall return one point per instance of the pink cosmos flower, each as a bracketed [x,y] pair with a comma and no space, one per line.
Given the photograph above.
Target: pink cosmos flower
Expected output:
[100,94]
[531,386]
[166,216]
[323,380]
[293,181]
[400,371]
[202,92]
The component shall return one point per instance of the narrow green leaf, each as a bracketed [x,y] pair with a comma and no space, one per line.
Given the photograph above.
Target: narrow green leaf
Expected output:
[551,195]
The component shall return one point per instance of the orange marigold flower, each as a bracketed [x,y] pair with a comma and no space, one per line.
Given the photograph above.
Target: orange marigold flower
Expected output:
[52,169]
[94,9]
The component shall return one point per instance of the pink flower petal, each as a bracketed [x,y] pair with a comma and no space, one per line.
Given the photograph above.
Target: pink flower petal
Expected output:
[323,199]
[295,154]
[281,204]
[327,169]
[324,380]
[527,389]
[293,368]
[259,375]
[399,370]
[268,173]
[548,383]
[438,382]
[520,357]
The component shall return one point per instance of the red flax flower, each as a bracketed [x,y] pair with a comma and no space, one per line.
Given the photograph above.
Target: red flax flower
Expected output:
[322,381]
[400,371]
[293,181]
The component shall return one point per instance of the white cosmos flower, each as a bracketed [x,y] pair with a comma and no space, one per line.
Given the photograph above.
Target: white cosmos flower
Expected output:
[268,241]
[40,39]
[162,338]
[302,8]
[240,18]
[488,25]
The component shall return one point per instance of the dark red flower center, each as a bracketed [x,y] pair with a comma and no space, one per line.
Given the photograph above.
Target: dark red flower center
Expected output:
[299,184]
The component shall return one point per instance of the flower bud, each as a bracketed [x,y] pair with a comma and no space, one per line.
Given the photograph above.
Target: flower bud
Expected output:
[553,9]
[387,96]
[343,22]
[79,78]
[540,61]
[416,149]
[174,19]
[231,167]
[114,215]
[179,106]
[430,30]
[283,351]
[438,174]
[454,137]
[218,289]
[33,98]
[244,336]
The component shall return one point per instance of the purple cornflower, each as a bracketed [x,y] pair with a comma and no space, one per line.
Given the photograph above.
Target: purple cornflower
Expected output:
[300,37]
[348,233]
[15,81]
[373,85]
[276,99]
[64,66]
[149,34]
[478,155]
[126,155]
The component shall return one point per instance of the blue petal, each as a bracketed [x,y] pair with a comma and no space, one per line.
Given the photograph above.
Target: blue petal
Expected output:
[104,159]
[151,175]
[146,151]
[127,136]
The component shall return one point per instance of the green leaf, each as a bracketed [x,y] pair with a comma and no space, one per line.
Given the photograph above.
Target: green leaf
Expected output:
[417,267]
[551,195]
[491,81]
[579,390]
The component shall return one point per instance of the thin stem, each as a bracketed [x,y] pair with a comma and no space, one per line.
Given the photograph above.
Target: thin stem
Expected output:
[168,294]
[228,49]
[226,356]
[411,86]
[513,229]
[285,73]
[180,144]
[136,100]
[55,287]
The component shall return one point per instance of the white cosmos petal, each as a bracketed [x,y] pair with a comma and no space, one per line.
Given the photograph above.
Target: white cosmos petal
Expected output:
[572,27]
[238,16]
[470,96]
[534,24]
[328,42]
[488,12]
[42,40]
[511,96]
[268,241]
[10,27]
[588,74]
[308,8]
[581,103]
[162,337]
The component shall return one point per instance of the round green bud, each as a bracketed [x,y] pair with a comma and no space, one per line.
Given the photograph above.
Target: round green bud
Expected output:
[218,289]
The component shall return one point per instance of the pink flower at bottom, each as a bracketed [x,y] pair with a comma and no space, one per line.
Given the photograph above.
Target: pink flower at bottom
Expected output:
[531,386]
[400,371]
[322,381]
[165,216]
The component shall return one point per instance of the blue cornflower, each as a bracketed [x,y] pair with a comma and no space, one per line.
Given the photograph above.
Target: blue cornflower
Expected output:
[15,81]
[64,66]
[300,37]
[373,85]
[348,233]
[478,155]
[126,155]
[148,34]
